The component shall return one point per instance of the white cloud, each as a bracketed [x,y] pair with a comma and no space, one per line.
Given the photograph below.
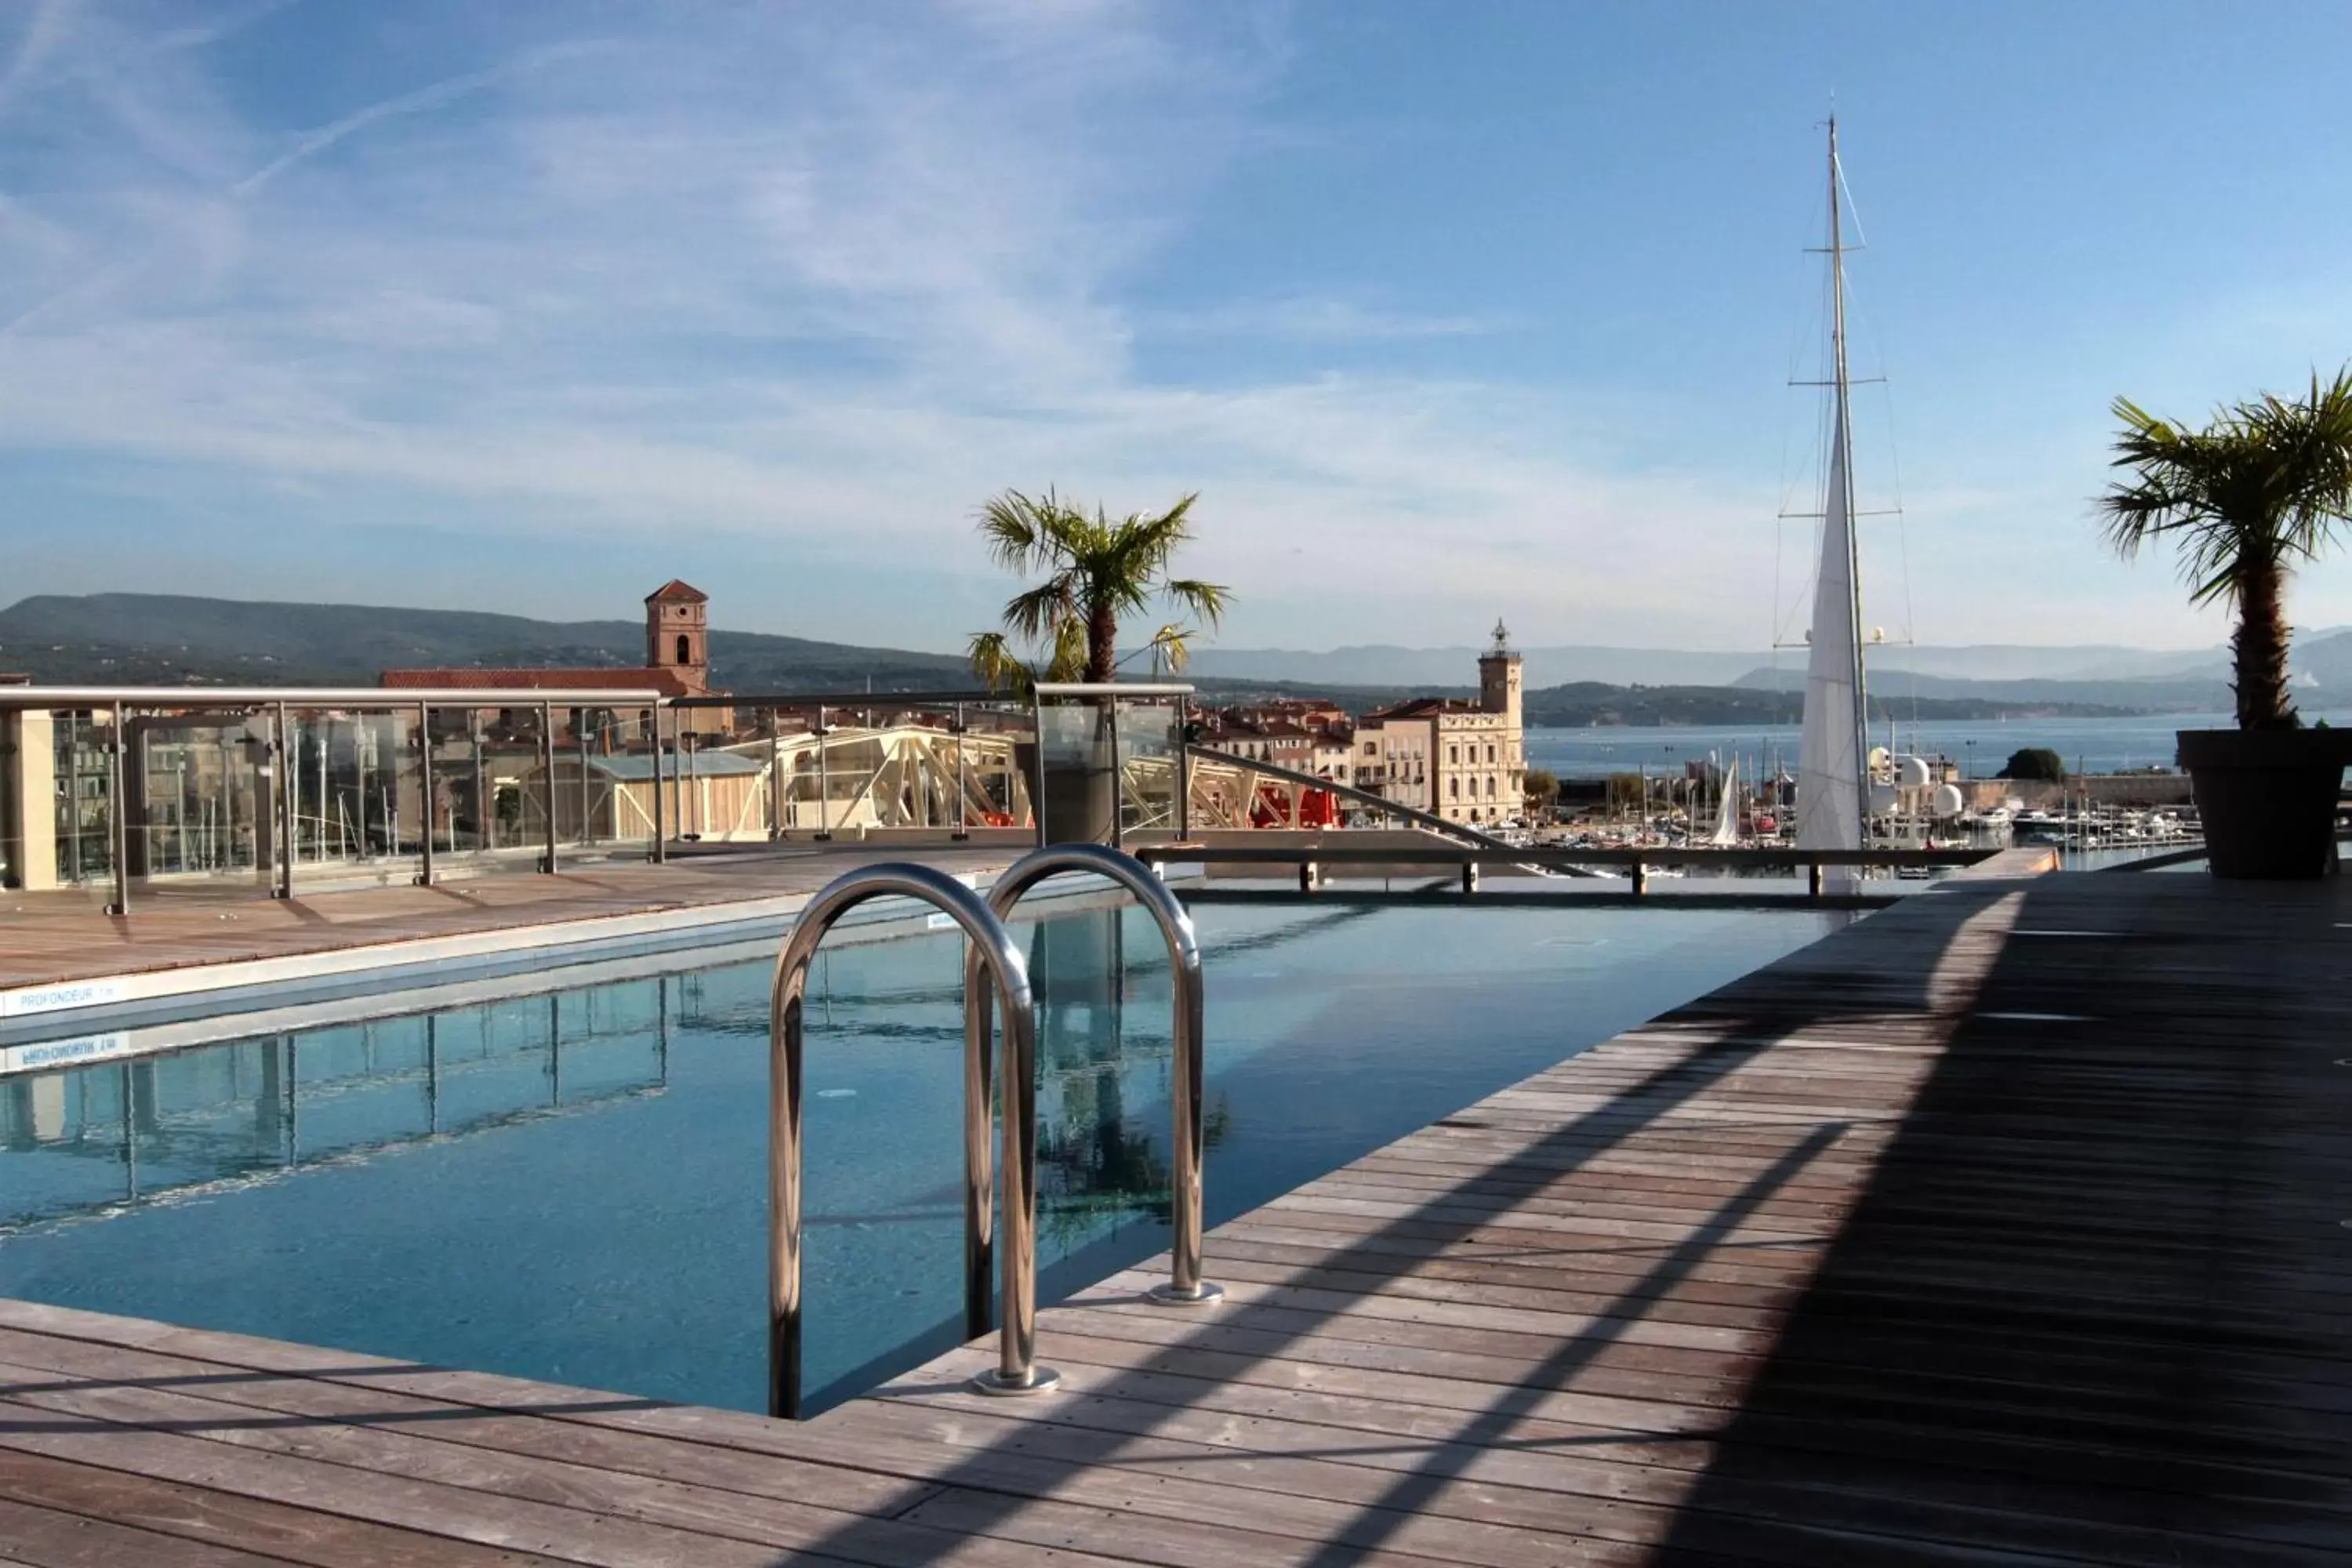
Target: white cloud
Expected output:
[828,274]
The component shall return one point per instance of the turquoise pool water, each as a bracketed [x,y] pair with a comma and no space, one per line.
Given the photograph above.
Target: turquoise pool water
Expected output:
[570,1185]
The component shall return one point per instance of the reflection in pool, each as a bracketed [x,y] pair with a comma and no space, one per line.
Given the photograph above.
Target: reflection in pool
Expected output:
[570,1185]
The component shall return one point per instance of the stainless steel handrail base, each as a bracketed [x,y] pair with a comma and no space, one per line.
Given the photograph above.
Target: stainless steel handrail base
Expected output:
[1188,1127]
[1042,1380]
[1205,1294]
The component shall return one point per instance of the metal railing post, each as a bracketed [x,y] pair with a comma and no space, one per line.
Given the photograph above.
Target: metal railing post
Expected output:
[1117,778]
[964,778]
[1037,783]
[775,780]
[547,781]
[1185,1288]
[661,832]
[823,781]
[486,832]
[425,787]
[281,807]
[1184,769]
[993,953]
[118,829]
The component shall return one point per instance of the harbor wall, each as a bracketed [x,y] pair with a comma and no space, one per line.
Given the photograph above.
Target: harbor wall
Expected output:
[2104,789]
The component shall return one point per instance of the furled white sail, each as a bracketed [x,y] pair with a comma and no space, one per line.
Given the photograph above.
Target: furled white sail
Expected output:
[1829,759]
[1829,753]
[1726,820]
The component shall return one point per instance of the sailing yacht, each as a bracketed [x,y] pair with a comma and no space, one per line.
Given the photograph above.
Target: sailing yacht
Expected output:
[1833,785]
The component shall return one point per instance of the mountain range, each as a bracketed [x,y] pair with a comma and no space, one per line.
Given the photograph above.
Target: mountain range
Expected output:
[170,639]
[2322,648]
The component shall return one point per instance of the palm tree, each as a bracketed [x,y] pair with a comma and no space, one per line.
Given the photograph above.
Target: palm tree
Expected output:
[1097,571]
[2250,498]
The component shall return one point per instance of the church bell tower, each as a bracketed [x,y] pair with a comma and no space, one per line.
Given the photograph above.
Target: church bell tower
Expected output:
[678,632]
[1498,677]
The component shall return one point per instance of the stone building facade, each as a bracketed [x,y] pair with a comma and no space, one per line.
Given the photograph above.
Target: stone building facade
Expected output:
[1464,761]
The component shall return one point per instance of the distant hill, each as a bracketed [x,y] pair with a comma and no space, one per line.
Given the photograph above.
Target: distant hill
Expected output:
[1383,664]
[163,639]
[2002,673]
[2173,696]
[169,640]
[2014,678]
[1589,703]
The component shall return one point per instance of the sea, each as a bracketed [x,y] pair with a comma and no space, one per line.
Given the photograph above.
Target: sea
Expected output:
[1980,746]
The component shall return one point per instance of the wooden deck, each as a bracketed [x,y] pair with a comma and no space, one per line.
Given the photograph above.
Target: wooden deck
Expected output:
[2001,1228]
[48,939]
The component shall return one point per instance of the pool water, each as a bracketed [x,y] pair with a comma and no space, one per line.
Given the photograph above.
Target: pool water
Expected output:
[571,1187]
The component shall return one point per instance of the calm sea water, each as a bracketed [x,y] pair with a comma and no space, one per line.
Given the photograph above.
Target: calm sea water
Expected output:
[1980,746]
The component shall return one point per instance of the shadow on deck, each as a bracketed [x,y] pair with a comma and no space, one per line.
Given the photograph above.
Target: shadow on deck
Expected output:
[2002,1228]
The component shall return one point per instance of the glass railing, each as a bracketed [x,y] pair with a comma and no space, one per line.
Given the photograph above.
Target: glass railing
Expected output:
[1108,762]
[878,765]
[307,794]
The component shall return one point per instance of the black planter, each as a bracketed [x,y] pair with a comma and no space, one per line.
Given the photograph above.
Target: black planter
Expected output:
[2267,798]
[1076,796]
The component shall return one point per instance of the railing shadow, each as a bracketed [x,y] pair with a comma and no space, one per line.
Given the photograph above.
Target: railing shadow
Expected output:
[2096,1276]
[1717,1035]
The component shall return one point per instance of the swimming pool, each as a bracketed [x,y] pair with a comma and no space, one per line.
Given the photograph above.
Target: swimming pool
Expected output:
[570,1185]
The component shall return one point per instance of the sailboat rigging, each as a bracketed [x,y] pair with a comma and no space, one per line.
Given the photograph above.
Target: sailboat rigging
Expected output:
[1832,787]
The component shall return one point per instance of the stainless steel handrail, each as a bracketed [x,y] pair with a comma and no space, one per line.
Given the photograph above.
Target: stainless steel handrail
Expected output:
[1185,1287]
[991,946]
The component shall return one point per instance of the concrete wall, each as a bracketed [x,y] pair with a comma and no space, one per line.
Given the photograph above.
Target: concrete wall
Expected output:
[29,799]
[2104,789]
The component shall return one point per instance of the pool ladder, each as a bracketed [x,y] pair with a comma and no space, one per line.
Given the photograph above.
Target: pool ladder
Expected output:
[993,967]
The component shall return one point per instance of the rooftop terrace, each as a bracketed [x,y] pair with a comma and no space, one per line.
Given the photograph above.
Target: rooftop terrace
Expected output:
[2003,1226]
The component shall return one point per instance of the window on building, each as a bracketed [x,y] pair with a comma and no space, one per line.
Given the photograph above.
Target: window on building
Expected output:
[684,649]
[1454,789]
[1452,753]
[1490,756]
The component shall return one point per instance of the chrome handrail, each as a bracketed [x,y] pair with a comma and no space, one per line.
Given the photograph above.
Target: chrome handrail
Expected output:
[1185,1285]
[991,947]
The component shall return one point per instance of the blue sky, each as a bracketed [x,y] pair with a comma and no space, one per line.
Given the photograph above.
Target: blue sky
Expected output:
[1447,310]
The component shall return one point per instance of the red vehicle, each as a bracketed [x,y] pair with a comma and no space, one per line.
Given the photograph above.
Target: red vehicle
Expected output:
[1271,808]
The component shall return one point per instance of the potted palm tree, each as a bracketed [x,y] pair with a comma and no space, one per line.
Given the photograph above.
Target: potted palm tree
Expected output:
[1095,571]
[2249,499]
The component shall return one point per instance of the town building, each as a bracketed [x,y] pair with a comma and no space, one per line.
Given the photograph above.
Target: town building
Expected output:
[1462,760]
[678,664]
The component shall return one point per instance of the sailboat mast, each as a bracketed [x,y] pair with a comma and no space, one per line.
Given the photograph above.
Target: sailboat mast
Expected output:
[1844,441]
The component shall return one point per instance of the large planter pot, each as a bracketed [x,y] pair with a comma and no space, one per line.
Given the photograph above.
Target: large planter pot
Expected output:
[1077,795]
[2267,798]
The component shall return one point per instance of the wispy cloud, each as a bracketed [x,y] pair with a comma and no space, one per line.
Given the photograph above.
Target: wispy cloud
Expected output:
[1327,319]
[822,274]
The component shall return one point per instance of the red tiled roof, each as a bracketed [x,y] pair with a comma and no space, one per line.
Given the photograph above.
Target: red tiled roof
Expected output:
[1423,707]
[666,681]
[678,588]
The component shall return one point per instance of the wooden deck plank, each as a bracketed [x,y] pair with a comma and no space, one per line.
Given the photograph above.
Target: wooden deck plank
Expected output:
[45,1538]
[195,1520]
[1848,1263]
